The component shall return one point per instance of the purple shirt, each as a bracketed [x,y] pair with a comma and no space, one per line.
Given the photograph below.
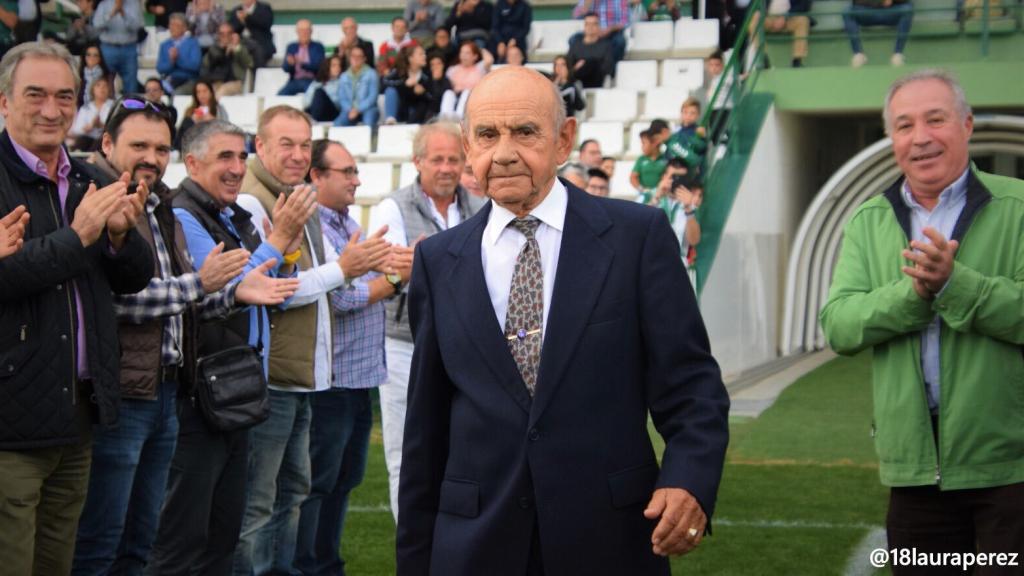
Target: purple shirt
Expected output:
[63,169]
[302,58]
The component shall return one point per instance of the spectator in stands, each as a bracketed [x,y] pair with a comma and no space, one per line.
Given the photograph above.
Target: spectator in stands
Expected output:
[590,54]
[473,64]
[357,92]
[590,153]
[8,22]
[424,18]
[254,19]
[443,47]
[81,33]
[514,56]
[471,20]
[349,38]
[568,86]
[90,68]
[674,194]
[898,13]
[321,98]
[153,90]
[613,19]
[574,173]
[608,166]
[118,23]
[597,183]
[227,63]
[302,60]
[88,126]
[437,85]
[470,183]
[389,49]
[406,98]
[648,168]
[204,108]
[162,10]
[509,27]
[788,16]
[715,79]
[204,19]
[689,142]
[180,57]
[661,10]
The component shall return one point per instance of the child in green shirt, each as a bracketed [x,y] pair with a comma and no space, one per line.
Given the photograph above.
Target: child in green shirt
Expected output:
[648,168]
[688,142]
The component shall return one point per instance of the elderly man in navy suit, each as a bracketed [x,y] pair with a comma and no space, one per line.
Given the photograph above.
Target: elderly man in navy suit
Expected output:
[546,328]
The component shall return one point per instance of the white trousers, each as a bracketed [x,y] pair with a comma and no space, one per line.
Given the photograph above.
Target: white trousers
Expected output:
[393,398]
[452,106]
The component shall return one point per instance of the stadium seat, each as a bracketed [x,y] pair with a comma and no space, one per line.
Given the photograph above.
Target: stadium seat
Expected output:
[376,33]
[608,134]
[271,101]
[633,150]
[146,73]
[181,103]
[620,186]
[650,37]
[696,37]
[637,74]
[687,74]
[355,138]
[545,67]
[243,111]
[614,104]
[551,37]
[407,174]
[395,141]
[327,34]
[174,174]
[663,103]
[284,34]
[375,179]
[269,81]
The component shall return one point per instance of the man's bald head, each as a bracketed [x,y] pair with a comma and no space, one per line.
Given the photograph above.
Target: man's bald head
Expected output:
[512,76]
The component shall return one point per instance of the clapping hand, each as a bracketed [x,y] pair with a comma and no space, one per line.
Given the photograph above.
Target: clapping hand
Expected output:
[12,231]
[358,258]
[933,262]
[121,221]
[221,267]
[260,289]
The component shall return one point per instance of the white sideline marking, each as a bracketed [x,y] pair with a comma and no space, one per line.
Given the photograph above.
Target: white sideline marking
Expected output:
[858,563]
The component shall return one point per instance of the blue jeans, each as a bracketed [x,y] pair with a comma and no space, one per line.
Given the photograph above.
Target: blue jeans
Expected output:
[338,444]
[123,60]
[392,102]
[368,117]
[127,482]
[295,86]
[898,15]
[278,484]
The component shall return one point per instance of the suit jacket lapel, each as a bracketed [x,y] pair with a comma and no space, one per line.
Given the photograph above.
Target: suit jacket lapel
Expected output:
[469,292]
[583,263]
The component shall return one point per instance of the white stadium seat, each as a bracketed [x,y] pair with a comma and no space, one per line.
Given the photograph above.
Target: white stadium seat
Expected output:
[355,138]
[375,33]
[650,36]
[407,174]
[620,186]
[327,34]
[284,34]
[243,111]
[636,74]
[375,180]
[174,174]
[614,104]
[546,67]
[551,37]
[663,103]
[269,81]
[395,141]
[697,36]
[181,103]
[271,101]
[633,149]
[687,73]
[608,134]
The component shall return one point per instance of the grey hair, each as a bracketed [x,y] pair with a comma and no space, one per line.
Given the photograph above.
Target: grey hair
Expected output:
[944,76]
[196,141]
[180,17]
[419,141]
[573,168]
[560,115]
[20,52]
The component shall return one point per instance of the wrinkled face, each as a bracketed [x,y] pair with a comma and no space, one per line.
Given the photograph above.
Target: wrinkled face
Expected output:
[41,105]
[608,167]
[349,28]
[590,155]
[591,26]
[442,38]
[221,170]
[336,184]
[203,94]
[304,31]
[690,115]
[512,141]
[285,148]
[399,28]
[597,187]
[466,55]
[468,181]
[335,67]
[715,66]
[176,27]
[154,91]
[142,148]
[929,135]
[441,165]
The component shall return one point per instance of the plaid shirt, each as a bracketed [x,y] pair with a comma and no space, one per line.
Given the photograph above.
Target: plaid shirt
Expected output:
[169,296]
[609,12]
[358,327]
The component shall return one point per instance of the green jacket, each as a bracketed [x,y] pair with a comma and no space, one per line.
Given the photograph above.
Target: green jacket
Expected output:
[872,304]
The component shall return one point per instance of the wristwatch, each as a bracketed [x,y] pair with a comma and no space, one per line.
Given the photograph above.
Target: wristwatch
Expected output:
[395,279]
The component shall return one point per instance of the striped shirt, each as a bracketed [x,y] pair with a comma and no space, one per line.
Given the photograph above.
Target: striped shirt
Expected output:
[609,12]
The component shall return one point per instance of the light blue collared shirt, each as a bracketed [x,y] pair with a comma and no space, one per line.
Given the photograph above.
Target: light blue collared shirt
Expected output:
[943,218]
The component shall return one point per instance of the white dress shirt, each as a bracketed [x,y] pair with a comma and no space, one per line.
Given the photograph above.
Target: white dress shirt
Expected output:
[387,212]
[314,284]
[500,247]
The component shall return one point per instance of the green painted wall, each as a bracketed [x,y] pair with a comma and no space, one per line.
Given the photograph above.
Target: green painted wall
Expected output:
[376,16]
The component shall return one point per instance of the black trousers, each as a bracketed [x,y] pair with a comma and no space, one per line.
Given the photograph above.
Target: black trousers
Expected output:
[202,513]
[983,520]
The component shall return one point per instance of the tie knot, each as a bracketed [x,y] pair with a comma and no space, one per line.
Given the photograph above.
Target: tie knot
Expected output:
[527,226]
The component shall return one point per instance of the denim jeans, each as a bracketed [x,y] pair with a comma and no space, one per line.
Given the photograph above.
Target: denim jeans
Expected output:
[295,86]
[123,60]
[898,15]
[368,117]
[339,439]
[392,102]
[126,486]
[278,484]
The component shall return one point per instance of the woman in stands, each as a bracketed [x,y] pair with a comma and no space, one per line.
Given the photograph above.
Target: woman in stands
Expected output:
[321,98]
[357,92]
[570,88]
[87,129]
[405,94]
[437,84]
[464,76]
[91,67]
[204,108]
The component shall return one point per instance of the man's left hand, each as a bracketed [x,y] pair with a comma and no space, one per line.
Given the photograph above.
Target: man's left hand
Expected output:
[682,521]
[933,261]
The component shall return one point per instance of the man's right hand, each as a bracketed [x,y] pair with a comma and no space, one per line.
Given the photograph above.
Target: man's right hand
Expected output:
[96,207]
[401,262]
[358,258]
[290,215]
[220,267]
[12,231]
[259,288]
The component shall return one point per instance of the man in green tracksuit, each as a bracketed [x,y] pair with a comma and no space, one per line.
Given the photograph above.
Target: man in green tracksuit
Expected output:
[931,277]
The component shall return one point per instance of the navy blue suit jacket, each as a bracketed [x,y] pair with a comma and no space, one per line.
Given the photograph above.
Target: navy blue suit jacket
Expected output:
[484,465]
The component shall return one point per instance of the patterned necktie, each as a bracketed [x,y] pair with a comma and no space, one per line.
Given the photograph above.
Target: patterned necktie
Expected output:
[525,317]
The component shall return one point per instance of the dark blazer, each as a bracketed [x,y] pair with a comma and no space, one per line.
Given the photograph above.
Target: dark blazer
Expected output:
[259,24]
[316,56]
[484,465]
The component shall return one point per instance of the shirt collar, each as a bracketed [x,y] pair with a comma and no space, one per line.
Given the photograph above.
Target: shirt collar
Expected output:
[333,218]
[954,193]
[38,166]
[550,212]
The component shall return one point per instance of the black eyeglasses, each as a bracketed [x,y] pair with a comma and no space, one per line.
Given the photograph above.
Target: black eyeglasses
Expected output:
[348,172]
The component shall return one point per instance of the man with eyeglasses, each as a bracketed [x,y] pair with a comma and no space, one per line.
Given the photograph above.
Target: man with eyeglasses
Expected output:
[130,464]
[342,414]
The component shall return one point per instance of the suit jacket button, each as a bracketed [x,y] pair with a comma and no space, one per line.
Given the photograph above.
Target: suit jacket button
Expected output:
[534,435]
[524,502]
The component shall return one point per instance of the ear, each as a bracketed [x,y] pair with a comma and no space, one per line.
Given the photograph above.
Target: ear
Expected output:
[258,140]
[566,139]
[107,144]
[969,125]
[3,105]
